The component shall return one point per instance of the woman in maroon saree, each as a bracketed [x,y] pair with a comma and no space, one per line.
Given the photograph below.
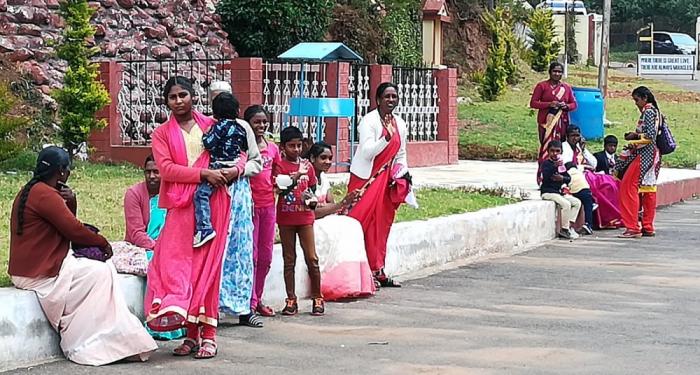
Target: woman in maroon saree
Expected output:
[554,99]
[382,150]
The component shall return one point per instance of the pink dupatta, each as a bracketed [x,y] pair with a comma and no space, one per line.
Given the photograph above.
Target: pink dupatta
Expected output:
[178,194]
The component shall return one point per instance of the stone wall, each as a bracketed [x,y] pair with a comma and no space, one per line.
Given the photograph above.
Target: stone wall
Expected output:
[156,28]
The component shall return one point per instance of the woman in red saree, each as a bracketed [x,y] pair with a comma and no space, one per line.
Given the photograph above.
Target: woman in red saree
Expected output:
[183,282]
[640,163]
[382,149]
[554,99]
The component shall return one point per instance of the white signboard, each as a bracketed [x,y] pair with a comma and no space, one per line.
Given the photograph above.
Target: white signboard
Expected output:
[666,65]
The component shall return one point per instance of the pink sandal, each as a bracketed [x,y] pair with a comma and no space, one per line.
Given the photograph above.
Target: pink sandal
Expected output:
[207,350]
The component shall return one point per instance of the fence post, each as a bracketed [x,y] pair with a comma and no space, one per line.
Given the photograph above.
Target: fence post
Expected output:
[377,75]
[101,141]
[448,129]
[246,81]
[338,129]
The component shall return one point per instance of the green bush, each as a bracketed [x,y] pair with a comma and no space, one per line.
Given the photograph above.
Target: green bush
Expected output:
[355,24]
[266,28]
[545,48]
[502,63]
[402,26]
[10,122]
[495,79]
[82,94]
[23,160]
[388,32]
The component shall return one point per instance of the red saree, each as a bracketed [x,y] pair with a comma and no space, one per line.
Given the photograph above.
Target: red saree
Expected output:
[375,210]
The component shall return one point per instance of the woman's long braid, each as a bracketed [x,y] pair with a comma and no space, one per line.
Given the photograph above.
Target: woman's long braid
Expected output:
[23,201]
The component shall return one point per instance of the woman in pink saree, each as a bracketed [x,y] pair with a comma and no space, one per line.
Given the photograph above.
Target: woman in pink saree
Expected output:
[183,282]
[554,99]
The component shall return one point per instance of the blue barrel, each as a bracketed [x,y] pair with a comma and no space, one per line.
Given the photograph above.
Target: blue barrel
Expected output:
[590,112]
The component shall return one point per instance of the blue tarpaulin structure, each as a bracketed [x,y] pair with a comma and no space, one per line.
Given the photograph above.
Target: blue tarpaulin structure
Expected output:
[321,107]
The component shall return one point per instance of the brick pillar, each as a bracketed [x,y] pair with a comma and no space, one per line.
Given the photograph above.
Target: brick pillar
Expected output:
[337,130]
[448,129]
[377,75]
[247,81]
[101,141]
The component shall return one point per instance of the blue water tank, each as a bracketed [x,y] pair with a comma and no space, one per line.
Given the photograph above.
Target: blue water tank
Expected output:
[590,112]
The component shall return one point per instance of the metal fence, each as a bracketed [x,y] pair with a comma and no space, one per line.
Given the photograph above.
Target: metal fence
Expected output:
[141,105]
[418,102]
[285,80]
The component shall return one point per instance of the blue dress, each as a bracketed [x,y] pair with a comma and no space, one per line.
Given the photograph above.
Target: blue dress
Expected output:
[237,270]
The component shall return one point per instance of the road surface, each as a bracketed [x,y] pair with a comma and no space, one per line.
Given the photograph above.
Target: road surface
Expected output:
[595,306]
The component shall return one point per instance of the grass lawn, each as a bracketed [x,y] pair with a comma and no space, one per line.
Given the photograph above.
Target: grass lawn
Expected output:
[506,129]
[100,191]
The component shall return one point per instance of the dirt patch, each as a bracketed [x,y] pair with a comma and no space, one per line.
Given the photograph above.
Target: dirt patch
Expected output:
[663,97]
[472,124]
[487,152]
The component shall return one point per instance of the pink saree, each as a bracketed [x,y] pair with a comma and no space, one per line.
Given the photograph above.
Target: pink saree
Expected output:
[183,283]
[605,189]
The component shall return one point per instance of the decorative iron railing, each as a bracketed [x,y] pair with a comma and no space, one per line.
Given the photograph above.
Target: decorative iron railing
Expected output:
[141,105]
[359,88]
[418,102]
[285,80]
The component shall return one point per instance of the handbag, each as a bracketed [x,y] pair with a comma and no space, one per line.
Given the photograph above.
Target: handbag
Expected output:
[89,252]
[664,138]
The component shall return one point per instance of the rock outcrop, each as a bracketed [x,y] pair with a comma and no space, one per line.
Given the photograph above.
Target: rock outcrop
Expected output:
[159,29]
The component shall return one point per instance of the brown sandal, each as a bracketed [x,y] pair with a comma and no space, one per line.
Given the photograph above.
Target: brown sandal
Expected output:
[187,347]
[207,350]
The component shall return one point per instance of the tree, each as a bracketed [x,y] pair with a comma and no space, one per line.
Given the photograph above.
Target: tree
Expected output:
[571,49]
[266,28]
[545,48]
[82,94]
[355,24]
[402,27]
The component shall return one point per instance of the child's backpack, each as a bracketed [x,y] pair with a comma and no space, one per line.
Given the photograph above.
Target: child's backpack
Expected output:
[664,138]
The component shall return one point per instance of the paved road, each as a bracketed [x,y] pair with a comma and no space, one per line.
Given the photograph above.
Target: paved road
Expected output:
[598,306]
[684,82]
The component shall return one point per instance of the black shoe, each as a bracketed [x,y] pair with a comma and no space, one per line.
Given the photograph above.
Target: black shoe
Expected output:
[586,229]
[291,307]
[319,307]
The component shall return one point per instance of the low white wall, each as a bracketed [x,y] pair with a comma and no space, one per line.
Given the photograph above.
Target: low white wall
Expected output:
[415,245]
[28,339]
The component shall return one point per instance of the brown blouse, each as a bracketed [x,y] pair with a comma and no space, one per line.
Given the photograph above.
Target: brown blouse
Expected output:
[49,227]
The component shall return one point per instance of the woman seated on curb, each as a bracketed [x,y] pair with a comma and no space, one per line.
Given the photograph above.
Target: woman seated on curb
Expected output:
[144,221]
[80,296]
[343,260]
